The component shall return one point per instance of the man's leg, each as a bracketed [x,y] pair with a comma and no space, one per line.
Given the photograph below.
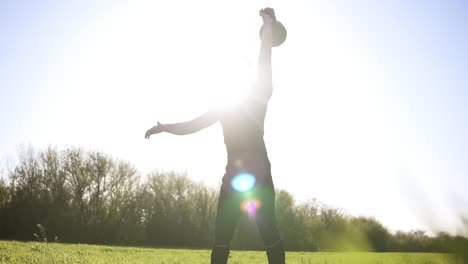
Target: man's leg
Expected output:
[226,221]
[266,222]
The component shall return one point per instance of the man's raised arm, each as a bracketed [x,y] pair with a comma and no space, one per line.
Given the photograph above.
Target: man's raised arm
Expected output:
[264,82]
[185,128]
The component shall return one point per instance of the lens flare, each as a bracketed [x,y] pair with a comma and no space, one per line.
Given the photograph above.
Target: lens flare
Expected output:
[243,182]
[251,206]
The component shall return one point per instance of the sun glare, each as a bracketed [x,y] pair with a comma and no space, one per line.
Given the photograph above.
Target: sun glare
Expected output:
[232,80]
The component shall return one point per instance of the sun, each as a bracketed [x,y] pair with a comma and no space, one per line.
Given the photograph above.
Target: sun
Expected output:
[232,82]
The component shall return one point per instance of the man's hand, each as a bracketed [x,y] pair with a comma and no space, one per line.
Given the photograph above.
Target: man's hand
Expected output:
[154,130]
[268,15]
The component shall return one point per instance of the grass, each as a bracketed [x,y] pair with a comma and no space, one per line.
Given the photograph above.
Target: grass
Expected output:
[12,252]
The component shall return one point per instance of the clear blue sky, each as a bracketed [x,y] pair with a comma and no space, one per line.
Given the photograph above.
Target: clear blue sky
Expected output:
[369,110]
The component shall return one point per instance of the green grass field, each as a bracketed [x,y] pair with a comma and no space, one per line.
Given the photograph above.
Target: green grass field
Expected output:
[34,252]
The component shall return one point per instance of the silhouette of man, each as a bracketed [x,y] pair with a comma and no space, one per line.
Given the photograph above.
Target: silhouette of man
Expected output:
[243,129]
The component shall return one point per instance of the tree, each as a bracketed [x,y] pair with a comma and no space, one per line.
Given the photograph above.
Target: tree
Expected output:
[55,194]
[79,184]
[287,219]
[376,234]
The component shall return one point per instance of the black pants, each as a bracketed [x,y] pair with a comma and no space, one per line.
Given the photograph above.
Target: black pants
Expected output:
[230,209]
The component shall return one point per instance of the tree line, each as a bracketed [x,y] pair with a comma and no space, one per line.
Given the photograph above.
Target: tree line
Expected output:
[79,196]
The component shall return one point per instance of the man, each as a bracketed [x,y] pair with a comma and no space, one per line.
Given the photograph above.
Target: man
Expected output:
[243,129]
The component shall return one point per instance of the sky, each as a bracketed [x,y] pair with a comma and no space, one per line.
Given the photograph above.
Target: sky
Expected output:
[368,112]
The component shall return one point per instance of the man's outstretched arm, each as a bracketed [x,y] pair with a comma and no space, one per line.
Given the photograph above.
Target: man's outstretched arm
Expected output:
[185,128]
[264,82]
